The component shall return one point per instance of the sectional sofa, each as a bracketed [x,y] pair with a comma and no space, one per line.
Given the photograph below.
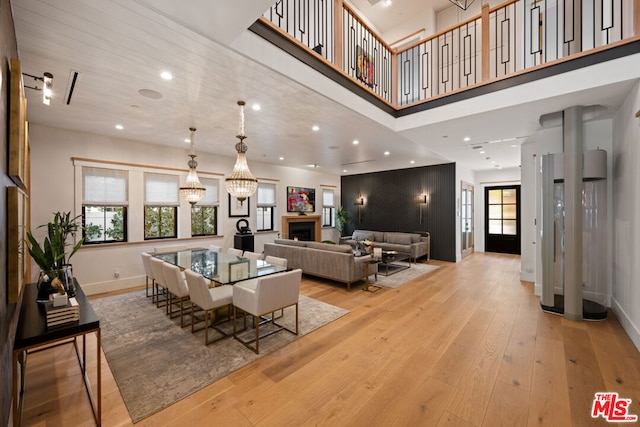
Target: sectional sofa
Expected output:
[414,244]
[335,262]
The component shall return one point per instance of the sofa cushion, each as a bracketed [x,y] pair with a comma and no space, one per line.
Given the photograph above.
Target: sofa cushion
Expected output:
[398,238]
[360,235]
[289,242]
[329,247]
[415,238]
[378,236]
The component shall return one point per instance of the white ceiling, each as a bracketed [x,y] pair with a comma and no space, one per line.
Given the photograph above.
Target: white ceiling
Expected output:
[119,47]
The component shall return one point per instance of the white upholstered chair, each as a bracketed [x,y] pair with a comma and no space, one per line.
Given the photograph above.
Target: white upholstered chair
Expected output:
[208,299]
[252,255]
[215,248]
[146,263]
[234,251]
[265,295]
[270,259]
[178,293]
[160,284]
[174,248]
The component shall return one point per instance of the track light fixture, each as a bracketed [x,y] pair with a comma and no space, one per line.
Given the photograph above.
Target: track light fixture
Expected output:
[47,84]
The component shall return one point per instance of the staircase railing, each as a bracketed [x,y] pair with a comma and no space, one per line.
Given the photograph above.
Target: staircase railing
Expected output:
[514,37]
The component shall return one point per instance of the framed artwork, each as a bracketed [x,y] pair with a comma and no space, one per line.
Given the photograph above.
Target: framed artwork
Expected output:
[18,141]
[239,270]
[17,255]
[364,66]
[237,209]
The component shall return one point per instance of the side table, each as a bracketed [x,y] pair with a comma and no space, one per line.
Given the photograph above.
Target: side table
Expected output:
[33,335]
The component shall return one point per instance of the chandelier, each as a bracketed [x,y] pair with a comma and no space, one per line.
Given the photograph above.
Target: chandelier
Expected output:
[192,191]
[241,183]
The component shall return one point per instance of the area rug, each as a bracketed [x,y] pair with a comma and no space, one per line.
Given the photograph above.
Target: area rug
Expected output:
[401,277]
[156,363]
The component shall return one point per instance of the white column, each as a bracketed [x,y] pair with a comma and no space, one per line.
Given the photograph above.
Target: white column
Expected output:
[573,142]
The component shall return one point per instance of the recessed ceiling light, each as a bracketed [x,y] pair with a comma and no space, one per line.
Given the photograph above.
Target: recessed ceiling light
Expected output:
[119,127]
[412,161]
[187,140]
[166,75]
[344,171]
[356,142]
[256,107]
[482,152]
[466,138]
[315,128]
[386,3]
[514,145]
[281,158]
[386,153]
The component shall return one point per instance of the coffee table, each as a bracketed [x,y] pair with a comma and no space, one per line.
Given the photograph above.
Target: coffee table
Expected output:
[388,262]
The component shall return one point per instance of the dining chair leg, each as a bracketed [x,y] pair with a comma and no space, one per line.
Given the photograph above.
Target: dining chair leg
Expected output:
[256,322]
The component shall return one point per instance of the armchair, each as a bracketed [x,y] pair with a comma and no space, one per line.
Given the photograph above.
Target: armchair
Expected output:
[265,295]
[178,292]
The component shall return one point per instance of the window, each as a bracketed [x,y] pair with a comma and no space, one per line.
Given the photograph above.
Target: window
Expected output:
[266,206]
[104,205]
[204,215]
[328,208]
[161,206]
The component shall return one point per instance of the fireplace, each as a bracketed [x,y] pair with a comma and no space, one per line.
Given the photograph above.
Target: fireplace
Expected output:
[304,227]
[302,231]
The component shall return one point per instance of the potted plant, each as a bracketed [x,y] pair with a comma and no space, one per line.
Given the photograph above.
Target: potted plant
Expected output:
[342,218]
[52,257]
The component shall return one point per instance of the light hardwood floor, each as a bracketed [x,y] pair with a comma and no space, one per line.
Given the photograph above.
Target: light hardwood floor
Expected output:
[465,346]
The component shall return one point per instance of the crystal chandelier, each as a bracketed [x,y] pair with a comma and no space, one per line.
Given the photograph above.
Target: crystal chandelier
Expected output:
[241,183]
[192,191]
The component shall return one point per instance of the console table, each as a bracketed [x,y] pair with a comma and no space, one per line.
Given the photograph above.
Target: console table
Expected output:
[33,335]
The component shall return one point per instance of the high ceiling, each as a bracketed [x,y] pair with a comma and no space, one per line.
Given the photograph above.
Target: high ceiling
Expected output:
[120,47]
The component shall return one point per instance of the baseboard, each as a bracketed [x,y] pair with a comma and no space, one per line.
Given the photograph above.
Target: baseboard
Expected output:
[113,285]
[537,289]
[527,276]
[627,324]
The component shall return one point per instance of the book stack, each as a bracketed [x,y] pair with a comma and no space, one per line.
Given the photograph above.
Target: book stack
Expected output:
[62,315]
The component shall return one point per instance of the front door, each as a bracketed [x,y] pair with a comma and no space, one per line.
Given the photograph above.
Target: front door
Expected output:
[502,219]
[466,217]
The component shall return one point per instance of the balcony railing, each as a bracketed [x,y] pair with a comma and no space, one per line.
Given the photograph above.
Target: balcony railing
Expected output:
[514,37]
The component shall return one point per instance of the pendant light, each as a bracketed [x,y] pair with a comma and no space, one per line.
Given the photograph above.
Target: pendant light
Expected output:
[192,191]
[241,184]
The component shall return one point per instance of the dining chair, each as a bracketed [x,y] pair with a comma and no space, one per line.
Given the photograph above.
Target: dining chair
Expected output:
[264,295]
[234,251]
[209,300]
[270,259]
[178,293]
[215,248]
[174,248]
[160,284]
[252,255]
[146,263]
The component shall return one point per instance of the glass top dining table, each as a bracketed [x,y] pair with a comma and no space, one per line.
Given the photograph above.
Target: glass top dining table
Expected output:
[221,268]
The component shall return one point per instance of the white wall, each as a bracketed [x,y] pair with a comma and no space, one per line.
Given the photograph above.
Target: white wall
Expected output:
[53,190]
[626,216]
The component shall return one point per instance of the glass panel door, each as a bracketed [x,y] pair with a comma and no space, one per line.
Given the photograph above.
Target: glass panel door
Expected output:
[466,217]
[502,228]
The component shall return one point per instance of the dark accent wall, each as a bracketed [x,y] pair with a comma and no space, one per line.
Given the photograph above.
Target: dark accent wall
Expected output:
[390,204]
[8,312]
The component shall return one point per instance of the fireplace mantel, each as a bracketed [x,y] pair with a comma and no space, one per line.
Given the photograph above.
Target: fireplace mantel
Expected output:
[286,219]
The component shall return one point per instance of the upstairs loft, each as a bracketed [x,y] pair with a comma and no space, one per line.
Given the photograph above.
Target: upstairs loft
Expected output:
[505,45]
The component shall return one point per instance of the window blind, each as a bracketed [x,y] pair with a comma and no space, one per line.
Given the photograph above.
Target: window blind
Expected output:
[266,194]
[161,190]
[104,186]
